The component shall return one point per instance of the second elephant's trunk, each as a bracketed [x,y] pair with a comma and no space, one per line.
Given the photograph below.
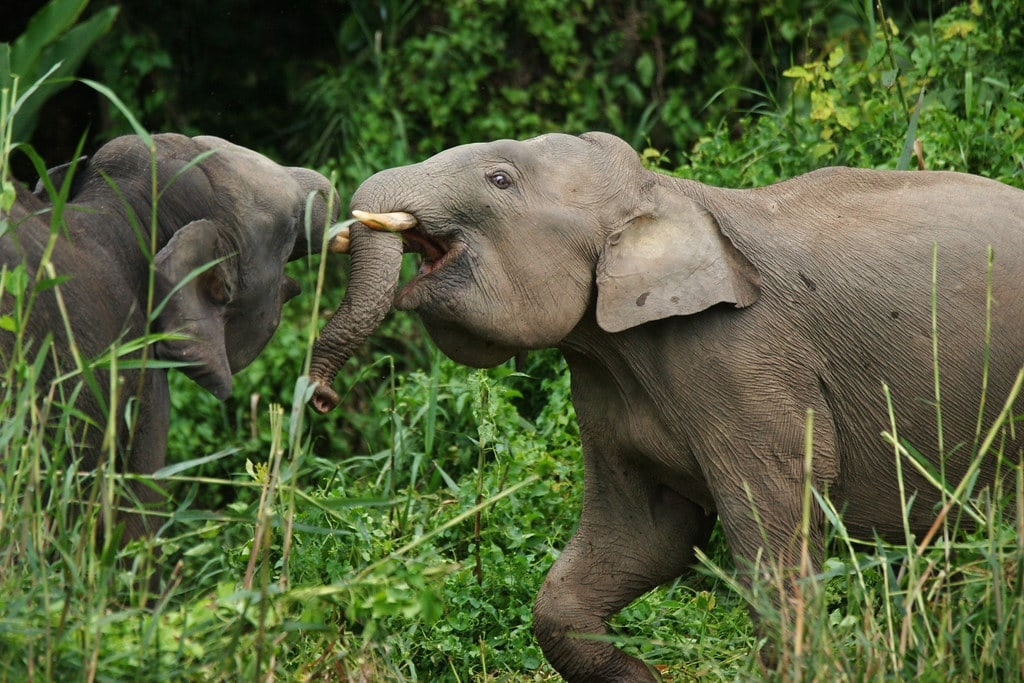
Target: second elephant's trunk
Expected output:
[376,264]
[318,219]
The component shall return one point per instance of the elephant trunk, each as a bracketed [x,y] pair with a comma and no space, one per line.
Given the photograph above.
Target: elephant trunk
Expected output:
[326,195]
[376,263]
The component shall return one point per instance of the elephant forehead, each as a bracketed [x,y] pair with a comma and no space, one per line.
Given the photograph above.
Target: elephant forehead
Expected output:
[246,160]
[253,182]
[548,151]
[513,151]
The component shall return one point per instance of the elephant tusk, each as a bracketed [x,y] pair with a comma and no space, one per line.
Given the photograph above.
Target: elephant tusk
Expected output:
[338,237]
[388,222]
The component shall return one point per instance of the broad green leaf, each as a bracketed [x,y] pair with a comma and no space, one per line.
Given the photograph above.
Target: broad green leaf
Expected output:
[645,69]
[68,50]
[43,28]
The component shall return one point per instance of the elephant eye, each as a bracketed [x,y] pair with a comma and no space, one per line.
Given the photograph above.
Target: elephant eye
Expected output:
[500,180]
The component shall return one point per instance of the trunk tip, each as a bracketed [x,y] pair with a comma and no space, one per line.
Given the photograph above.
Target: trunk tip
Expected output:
[324,399]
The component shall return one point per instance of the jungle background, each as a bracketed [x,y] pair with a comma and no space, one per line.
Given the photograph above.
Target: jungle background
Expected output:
[403,536]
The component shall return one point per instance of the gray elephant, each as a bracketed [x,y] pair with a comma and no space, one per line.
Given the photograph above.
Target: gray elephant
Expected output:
[700,325]
[220,207]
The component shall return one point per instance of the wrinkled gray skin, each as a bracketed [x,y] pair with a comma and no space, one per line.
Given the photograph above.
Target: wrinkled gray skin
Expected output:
[235,205]
[700,325]
[373,278]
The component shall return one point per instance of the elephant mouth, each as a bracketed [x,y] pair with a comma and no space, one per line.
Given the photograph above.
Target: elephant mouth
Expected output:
[436,251]
[435,254]
[432,252]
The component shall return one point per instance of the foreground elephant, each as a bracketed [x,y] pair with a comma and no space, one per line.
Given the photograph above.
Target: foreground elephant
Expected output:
[218,204]
[700,325]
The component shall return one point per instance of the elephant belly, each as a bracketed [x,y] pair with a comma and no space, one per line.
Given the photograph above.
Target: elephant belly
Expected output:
[881,483]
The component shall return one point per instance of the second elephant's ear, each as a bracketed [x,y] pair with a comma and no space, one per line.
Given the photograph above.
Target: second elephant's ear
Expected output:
[58,174]
[195,289]
[672,261]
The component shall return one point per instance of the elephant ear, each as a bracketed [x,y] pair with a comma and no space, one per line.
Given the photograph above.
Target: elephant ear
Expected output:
[196,289]
[673,261]
[58,174]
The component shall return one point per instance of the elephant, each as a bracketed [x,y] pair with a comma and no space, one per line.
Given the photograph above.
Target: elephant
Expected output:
[709,334]
[189,277]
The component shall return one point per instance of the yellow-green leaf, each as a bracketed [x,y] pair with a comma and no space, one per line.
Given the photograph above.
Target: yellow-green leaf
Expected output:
[847,117]
[798,72]
[822,106]
[959,29]
[836,57]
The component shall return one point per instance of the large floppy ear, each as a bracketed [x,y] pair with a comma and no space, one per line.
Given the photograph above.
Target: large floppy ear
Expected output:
[672,261]
[195,288]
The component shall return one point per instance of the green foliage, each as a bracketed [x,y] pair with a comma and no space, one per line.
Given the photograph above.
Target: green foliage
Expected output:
[53,45]
[137,66]
[865,100]
[472,583]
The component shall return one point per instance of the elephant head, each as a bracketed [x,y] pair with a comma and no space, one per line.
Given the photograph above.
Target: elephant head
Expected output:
[187,237]
[227,219]
[499,208]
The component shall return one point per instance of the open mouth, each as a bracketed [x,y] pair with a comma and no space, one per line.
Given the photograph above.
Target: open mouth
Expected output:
[434,254]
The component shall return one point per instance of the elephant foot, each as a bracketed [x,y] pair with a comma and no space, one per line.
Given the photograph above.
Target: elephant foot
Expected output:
[573,652]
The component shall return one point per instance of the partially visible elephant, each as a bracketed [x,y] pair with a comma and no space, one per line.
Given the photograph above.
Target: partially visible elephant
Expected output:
[218,206]
[700,326]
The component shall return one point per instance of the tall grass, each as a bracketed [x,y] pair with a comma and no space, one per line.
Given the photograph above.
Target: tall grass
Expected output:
[74,602]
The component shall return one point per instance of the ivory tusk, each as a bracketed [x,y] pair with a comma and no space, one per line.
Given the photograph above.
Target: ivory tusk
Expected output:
[389,222]
[338,237]
[339,244]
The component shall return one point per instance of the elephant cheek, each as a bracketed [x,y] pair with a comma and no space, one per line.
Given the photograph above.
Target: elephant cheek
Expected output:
[247,335]
[413,298]
[203,364]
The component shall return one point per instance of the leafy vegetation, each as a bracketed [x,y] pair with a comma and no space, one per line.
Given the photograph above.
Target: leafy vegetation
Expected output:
[403,538]
[54,44]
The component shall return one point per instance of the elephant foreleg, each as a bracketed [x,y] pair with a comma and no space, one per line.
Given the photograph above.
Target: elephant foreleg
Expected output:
[634,534]
[775,548]
[139,501]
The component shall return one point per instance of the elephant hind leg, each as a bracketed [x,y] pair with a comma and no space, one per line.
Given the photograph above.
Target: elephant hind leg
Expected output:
[630,539]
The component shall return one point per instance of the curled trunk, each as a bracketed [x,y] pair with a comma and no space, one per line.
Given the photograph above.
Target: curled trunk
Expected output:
[319,219]
[376,263]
